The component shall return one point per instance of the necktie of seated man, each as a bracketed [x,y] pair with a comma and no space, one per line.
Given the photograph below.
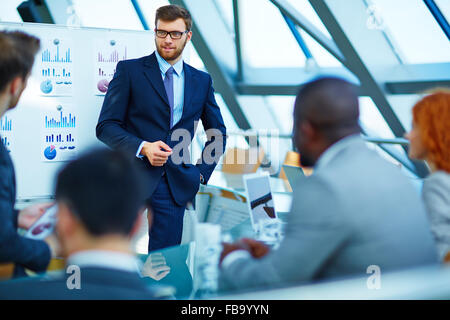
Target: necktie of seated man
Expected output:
[168,84]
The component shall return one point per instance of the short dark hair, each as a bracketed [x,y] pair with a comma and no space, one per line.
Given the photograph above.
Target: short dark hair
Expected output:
[17,51]
[104,189]
[331,105]
[173,12]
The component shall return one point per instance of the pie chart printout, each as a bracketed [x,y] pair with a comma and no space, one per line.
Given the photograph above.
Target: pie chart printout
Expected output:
[50,152]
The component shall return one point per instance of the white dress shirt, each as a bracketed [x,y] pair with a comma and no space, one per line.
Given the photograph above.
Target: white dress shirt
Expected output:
[105,259]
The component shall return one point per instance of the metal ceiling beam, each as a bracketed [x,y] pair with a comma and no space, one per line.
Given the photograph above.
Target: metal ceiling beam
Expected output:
[394,88]
[439,16]
[298,37]
[401,79]
[237,39]
[288,10]
[140,14]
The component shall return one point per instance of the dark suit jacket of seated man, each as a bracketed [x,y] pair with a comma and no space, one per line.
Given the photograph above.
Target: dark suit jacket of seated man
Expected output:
[100,199]
[16,60]
[137,110]
[355,211]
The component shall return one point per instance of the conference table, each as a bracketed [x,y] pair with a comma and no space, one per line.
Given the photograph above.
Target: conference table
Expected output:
[176,269]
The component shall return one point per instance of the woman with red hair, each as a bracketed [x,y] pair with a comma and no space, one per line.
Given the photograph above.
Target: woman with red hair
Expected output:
[430,141]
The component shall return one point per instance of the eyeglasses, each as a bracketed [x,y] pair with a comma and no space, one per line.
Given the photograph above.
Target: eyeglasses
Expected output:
[174,35]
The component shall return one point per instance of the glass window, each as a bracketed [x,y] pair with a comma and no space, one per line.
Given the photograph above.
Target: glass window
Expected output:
[414,31]
[233,140]
[265,37]
[322,57]
[372,121]
[402,105]
[114,14]
[193,58]
[282,108]
[304,7]
[8,11]
[148,9]
[225,8]
[263,113]
[444,6]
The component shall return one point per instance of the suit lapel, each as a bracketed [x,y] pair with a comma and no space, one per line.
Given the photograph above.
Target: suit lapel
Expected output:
[153,74]
[189,87]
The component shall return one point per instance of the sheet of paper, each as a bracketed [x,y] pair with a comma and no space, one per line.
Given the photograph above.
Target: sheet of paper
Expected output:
[59,134]
[55,67]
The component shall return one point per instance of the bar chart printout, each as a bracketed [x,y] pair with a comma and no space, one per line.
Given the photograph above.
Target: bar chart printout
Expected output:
[59,134]
[107,55]
[55,67]
[6,131]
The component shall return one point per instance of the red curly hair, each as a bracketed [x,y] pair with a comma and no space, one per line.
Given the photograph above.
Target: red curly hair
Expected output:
[432,117]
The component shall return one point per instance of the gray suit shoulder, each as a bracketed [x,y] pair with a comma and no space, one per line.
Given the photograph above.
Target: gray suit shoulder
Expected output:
[438,180]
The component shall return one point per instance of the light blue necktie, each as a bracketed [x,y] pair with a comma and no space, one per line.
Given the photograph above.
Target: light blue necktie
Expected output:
[168,84]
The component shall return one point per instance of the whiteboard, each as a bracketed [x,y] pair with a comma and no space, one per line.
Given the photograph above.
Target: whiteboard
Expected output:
[56,117]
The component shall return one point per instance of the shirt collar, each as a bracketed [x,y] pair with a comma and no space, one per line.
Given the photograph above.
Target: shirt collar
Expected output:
[105,259]
[332,151]
[164,65]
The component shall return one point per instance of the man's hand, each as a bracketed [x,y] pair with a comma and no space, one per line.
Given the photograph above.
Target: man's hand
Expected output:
[256,248]
[28,216]
[156,152]
[155,267]
[230,247]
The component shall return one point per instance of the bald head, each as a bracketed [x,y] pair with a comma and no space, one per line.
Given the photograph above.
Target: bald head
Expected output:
[326,110]
[330,105]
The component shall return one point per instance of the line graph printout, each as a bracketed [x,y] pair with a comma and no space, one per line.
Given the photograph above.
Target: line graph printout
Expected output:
[107,54]
[59,140]
[55,67]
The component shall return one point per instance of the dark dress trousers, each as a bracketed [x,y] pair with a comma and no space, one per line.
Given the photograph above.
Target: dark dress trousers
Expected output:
[24,253]
[136,109]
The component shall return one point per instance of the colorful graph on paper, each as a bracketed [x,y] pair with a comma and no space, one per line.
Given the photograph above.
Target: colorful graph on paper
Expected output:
[63,121]
[56,67]
[113,56]
[55,56]
[59,134]
[107,55]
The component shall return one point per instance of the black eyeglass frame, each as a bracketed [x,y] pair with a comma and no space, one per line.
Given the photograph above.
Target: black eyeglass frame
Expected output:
[171,33]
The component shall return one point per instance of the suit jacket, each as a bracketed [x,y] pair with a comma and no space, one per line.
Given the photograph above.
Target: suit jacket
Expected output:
[436,195]
[357,211]
[96,284]
[32,254]
[136,109]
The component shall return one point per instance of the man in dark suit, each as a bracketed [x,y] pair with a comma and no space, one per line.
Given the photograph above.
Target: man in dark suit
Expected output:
[151,111]
[99,197]
[17,51]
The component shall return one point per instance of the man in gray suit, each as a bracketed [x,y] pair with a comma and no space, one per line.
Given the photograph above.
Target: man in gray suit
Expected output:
[355,211]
